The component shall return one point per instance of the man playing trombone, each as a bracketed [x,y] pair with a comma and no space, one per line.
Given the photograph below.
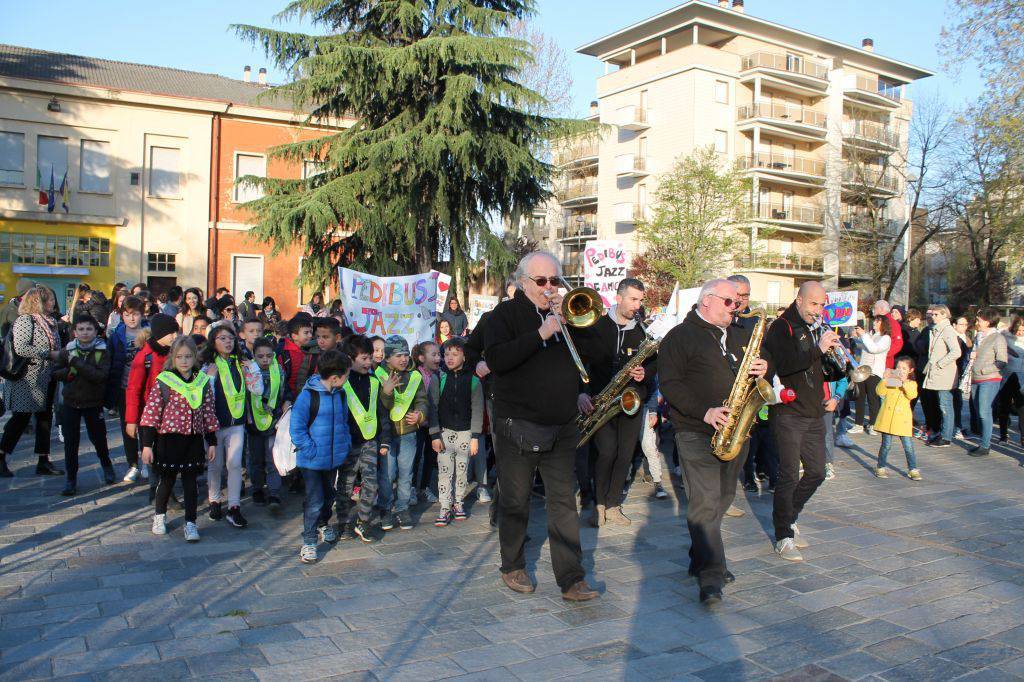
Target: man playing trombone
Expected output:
[536,386]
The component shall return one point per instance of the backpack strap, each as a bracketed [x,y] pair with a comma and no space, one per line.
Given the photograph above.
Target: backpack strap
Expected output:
[314,406]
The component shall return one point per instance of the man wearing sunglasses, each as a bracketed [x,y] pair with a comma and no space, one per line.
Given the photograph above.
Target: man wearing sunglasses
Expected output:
[536,386]
[796,344]
[697,364]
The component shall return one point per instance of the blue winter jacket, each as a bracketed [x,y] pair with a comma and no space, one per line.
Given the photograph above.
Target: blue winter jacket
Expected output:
[117,342]
[324,444]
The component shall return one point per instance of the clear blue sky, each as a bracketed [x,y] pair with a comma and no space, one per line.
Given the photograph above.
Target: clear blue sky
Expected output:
[193,34]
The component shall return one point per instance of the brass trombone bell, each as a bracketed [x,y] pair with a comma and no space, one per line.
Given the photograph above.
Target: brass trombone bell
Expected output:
[582,307]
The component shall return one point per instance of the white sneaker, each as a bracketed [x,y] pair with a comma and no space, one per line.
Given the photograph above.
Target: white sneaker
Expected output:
[798,539]
[856,428]
[482,494]
[159,524]
[844,441]
[958,434]
[132,475]
[60,433]
[830,471]
[787,550]
[191,532]
[307,554]
[144,472]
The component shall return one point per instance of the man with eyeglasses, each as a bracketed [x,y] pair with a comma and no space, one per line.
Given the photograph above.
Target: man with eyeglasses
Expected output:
[536,386]
[796,344]
[697,364]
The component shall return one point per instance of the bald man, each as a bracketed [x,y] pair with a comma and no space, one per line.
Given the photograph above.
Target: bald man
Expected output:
[795,343]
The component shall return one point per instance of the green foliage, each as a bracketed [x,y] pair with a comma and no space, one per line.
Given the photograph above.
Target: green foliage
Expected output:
[692,235]
[442,137]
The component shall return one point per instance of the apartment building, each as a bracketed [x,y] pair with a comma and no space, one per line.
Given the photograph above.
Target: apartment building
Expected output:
[820,127]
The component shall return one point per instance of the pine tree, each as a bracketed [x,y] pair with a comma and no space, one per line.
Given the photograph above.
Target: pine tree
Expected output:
[442,137]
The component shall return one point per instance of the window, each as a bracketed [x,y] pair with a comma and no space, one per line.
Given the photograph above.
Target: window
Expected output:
[51,159]
[95,171]
[721,142]
[721,92]
[161,262]
[794,62]
[249,164]
[164,178]
[311,168]
[12,159]
[35,249]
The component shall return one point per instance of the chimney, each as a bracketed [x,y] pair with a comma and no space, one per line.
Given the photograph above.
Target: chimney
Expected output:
[724,4]
[868,45]
[247,73]
[738,5]
[262,77]
[593,108]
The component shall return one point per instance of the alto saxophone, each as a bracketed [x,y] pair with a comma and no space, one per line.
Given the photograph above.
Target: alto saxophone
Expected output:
[747,397]
[617,396]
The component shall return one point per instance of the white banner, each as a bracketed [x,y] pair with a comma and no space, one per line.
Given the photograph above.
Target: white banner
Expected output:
[605,262]
[444,282]
[382,306]
[841,308]
[478,305]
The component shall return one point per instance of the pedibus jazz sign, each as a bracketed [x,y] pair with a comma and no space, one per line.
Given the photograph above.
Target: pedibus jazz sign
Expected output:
[605,264]
[382,306]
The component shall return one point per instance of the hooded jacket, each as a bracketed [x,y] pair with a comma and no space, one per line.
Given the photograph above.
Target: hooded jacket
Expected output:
[84,372]
[122,352]
[325,443]
[146,365]
[614,347]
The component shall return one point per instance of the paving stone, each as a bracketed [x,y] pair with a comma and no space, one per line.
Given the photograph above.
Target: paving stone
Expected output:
[549,668]
[318,667]
[855,665]
[194,646]
[100,660]
[149,672]
[245,659]
[492,656]
[129,636]
[927,668]
[311,647]
[733,670]
[981,653]
[269,635]
[41,649]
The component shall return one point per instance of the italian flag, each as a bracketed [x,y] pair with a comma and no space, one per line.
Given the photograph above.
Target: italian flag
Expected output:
[43,198]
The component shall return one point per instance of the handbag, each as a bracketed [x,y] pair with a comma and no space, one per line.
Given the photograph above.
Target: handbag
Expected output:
[12,365]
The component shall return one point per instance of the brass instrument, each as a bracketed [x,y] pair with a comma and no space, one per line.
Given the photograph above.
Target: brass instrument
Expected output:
[617,396]
[581,308]
[747,397]
[838,361]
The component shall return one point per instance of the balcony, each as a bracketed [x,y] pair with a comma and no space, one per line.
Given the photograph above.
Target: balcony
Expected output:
[794,263]
[631,166]
[791,165]
[855,266]
[863,221]
[578,193]
[634,118]
[807,73]
[787,213]
[870,135]
[579,227]
[872,179]
[631,213]
[573,268]
[577,153]
[873,91]
[803,120]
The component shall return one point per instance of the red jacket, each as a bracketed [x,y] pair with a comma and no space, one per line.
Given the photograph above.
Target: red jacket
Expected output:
[896,342]
[146,365]
[290,357]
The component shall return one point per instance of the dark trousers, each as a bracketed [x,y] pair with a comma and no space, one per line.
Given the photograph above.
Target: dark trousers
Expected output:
[361,460]
[932,413]
[131,445]
[616,443]
[16,426]
[425,466]
[585,461]
[316,506]
[958,407]
[763,456]
[189,487]
[1008,401]
[710,489]
[868,398]
[799,439]
[71,421]
[516,468]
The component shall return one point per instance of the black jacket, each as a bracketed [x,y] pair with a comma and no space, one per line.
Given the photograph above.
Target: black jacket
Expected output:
[614,346]
[84,375]
[792,351]
[475,353]
[694,375]
[534,379]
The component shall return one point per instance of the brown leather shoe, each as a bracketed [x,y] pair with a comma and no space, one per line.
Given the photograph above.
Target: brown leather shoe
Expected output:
[614,517]
[580,591]
[518,581]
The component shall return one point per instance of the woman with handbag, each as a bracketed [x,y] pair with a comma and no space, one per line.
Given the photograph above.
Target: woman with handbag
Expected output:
[35,343]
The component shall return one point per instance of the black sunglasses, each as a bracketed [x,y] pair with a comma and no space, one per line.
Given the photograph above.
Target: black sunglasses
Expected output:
[729,302]
[543,281]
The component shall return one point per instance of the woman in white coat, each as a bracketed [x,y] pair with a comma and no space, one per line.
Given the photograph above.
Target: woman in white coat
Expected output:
[875,346]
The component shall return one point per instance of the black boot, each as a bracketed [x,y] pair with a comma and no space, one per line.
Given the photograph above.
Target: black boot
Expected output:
[5,471]
[45,468]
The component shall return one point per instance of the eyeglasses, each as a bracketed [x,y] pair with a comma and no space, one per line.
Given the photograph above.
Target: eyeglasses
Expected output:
[229,310]
[729,302]
[544,281]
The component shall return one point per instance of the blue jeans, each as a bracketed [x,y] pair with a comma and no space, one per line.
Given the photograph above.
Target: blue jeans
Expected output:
[316,508]
[397,464]
[830,438]
[908,450]
[946,408]
[982,396]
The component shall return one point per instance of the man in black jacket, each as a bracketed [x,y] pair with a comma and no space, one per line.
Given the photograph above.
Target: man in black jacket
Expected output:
[697,365]
[536,387]
[795,342]
[619,336]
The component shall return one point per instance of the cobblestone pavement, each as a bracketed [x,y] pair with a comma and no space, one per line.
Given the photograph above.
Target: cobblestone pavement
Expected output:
[903,580]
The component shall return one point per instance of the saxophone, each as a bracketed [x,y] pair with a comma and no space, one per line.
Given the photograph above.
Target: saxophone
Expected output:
[747,397]
[617,396]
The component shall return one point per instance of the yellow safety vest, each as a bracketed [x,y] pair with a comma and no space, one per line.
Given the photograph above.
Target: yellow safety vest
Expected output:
[365,418]
[192,391]
[234,396]
[260,417]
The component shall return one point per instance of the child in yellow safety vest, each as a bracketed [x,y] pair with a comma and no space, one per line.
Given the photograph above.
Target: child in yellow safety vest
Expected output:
[264,411]
[178,431]
[404,395]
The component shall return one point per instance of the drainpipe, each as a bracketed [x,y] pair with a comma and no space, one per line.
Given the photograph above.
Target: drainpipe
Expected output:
[212,250]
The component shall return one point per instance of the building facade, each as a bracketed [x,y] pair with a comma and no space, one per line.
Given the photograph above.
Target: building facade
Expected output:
[819,127]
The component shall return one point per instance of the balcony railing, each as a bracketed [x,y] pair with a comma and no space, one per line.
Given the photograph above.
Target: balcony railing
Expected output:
[791,262]
[878,87]
[578,227]
[784,62]
[873,177]
[864,222]
[783,162]
[577,190]
[796,214]
[856,265]
[873,132]
[573,269]
[631,164]
[633,118]
[576,152]
[782,112]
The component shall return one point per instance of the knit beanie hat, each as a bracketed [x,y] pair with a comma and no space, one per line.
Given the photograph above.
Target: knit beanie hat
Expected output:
[395,345]
[161,325]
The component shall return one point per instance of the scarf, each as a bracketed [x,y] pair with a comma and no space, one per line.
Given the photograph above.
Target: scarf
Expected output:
[51,333]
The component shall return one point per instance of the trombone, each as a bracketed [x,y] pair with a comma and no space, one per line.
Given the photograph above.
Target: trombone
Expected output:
[581,308]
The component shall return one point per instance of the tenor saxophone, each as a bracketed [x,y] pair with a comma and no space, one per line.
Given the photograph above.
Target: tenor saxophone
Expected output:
[747,397]
[617,396]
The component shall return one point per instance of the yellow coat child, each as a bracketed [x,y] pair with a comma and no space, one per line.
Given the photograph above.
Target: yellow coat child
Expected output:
[895,419]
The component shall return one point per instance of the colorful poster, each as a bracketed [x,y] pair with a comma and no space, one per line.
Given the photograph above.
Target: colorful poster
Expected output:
[605,262]
[382,306]
[444,282]
[478,305]
[841,308]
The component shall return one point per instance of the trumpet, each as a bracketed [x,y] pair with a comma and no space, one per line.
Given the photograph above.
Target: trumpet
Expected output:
[840,361]
[581,308]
